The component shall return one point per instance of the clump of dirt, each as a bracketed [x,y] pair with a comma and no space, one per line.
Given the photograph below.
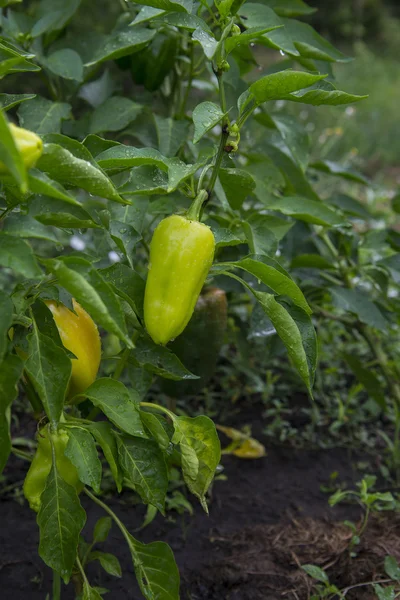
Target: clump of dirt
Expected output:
[264,562]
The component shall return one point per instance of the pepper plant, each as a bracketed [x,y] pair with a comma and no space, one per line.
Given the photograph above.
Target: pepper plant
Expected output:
[161,112]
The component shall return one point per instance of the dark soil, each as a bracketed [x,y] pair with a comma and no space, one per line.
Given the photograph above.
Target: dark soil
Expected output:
[266,519]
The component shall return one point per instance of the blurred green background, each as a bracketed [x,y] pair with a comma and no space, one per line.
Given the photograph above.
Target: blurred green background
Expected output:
[366,134]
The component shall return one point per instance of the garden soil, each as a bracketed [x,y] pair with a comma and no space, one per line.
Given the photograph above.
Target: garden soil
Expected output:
[267,517]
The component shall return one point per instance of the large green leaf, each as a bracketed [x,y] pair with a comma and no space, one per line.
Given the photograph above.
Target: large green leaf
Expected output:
[43,116]
[114,114]
[120,43]
[310,44]
[323,92]
[46,358]
[61,519]
[159,360]
[275,277]
[118,403]
[8,101]
[144,467]
[278,85]
[17,254]
[178,5]
[205,116]
[358,303]
[201,452]
[307,210]
[102,431]
[237,185]
[66,168]
[65,63]
[160,582]
[10,373]
[81,451]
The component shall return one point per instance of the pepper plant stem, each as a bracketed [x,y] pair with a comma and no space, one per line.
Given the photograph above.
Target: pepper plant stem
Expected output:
[56,586]
[218,161]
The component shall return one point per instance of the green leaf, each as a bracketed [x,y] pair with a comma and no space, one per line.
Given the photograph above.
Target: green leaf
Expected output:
[384,593]
[201,453]
[128,284]
[358,303]
[267,177]
[103,433]
[159,360]
[259,15]
[109,562]
[96,145]
[225,237]
[392,568]
[121,157]
[290,8]
[14,61]
[170,133]
[278,85]
[10,155]
[17,254]
[118,403]
[294,177]
[40,183]
[260,239]
[46,358]
[8,101]
[274,277]
[307,210]
[308,335]
[6,318]
[184,21]
[350,206]
[55,15]
[316,573]
[25,226]
[10,372]
[367,378]
[90,593]
[65,63]
[61,519]
[121,42]
[178,5]
[86,284]
[332,168]
[125,237]
[161,583]
[60,164]
[145,180]
[237,185]
[311,261]
[43,116]
[253,33]
[290,329]
[144,467]
[324,92]
[205,116]
[60,214]
[278,226]
[81,451]
[310,44]
[295,138]
[114,114]
[207,41]
[154,425]
[147,13]
[102,528]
